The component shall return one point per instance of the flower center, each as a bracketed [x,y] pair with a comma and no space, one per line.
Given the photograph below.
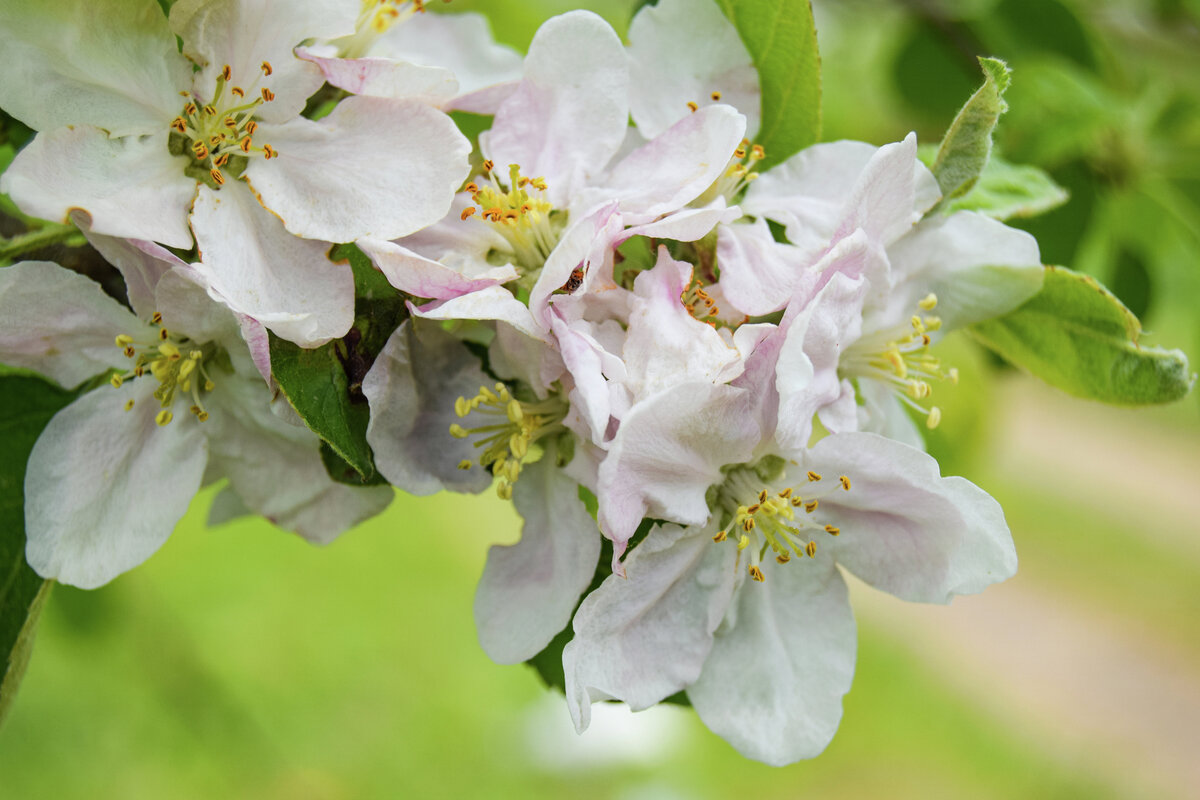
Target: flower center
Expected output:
[512,428]
[737,176]
[782,521]
[900,358]
[375,19]
[218,135]
[521,213]
[179,365]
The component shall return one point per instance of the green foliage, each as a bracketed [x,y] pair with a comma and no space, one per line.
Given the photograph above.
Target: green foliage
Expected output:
[782,40]
[1075,335]
[28,403]
[967,144]
[1006,190]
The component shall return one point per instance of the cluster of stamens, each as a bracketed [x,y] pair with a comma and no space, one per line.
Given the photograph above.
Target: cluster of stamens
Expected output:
[781,522]
[521,213]
[900,358]
[219,134]
[376,18]
[699,303]
[177,363]
[737,176]
[507,440]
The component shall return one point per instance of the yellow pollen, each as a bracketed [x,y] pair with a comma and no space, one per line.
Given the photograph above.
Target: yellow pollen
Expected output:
[783,557]
[721,536]
[266,68]
[464,464]
[811,506]
[716,97]
[238,92]
[217,176]
[814,477]
[756,573]
[929,302]
[811,549]
[129,405]
[845,482]
[116,381]
[934,419]
[164,417]
[227,73]
[693,106]
[267,95]
[832,530]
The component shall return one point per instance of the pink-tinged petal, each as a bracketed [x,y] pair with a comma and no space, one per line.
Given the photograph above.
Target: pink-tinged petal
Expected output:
[758,274]
[675,168]
[667,452]
[882,203]
[669,70]
[568,117]
[254,334]
[904,528]
[374,167]
[586,243]
[688,224]
[182,298]
[411,389]
[665,345]
[978,267]
[61,324]
[141,263]
[257,268]
[773,684]
[132,187]
[422,277]
[243,35]
[105,487]
[108,63]
[491,302]
[589,364]
[487,72]
[382,77]
[528,590]
[276,468]
[645,637]
[806,376]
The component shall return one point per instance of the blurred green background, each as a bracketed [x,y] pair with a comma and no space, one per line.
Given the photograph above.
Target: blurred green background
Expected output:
[240,662]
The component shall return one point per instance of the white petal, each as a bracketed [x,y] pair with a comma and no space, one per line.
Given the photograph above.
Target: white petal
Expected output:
[675,168]
[569,115]
[108,63]
[904,528]
[422,277]
[243,35]
[61,324]
[643,638]
[978,267]
[105,487]
[758,274]
[670,69]
[882,413]
[383,77]
[132,187]
[141,263]
[668,451]
[411,388]
[586,243]
[374,168]
[528,590]
[276,468]
[182,298]
[688,224]
[883,200]
[491,302]
[258,269]
[773,684]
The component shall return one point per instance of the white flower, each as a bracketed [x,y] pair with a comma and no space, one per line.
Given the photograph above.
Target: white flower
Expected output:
[114,471]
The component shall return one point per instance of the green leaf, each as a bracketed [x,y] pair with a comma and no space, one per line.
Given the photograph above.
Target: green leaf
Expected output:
[1075,335]
[968,143]
[782,41]
[1007,190]
[26,405]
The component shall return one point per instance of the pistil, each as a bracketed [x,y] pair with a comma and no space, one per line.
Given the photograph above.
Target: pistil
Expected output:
[177,363]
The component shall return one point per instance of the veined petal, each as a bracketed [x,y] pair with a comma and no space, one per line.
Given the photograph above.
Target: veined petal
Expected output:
[61,324]
[977,267]
[141,263]
[422,277]
[487,72]
[569,114]
[131,186]
[643,638]
[904,528]
[676,167]
[411,388]
[243,35]
[105,487]
[528,590]
[257,268]
[669,70]
[276,468]
[382,77]
[374,167]
[668,451]
[108,63]
[773,684]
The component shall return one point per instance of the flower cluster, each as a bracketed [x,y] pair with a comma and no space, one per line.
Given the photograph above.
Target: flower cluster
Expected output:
[701,382]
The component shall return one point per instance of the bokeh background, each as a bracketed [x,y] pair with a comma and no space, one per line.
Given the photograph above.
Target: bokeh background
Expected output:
[240,662]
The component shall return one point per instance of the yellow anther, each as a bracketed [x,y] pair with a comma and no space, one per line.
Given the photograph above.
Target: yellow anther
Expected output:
[756,573]
[164,417]
[811,549]
[267,95]
[209,386]
[238,92]
[934,419]
[721,536]
[462,407]
[269,152]
[952,375]
[784,557]
[202,416]
[515,415]
[266,68]
[757,153]
[832,530]
[124,340]
[743,542]
[716,97]
[464,464]
[693,107]
[810,506]
[458,431]
[504,490]
[467,212]
[929,302]
[156,318]
[187,368]
[164,334]
[116,381]
[169,350]
[813,476]
[227,73]
[933,323]
[129,405]
[845,482]
[217,177]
